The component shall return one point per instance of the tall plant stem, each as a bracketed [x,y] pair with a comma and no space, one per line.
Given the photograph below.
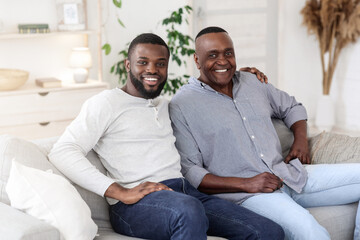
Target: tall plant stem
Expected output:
[322,53]
[327,84]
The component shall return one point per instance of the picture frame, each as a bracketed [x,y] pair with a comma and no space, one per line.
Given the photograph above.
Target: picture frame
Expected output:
[71,15]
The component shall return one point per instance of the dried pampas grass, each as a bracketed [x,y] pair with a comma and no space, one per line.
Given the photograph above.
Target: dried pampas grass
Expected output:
[335,23]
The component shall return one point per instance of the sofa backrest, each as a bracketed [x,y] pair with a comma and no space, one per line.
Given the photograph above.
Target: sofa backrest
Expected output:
[285,135]
[35,155]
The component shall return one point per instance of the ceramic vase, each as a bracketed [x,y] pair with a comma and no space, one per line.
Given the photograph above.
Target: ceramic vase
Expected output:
[325,114]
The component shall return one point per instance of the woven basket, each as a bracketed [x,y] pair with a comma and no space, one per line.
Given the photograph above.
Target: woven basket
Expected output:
[11,79]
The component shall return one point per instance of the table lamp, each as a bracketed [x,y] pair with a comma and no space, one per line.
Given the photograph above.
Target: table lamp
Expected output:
[80,59]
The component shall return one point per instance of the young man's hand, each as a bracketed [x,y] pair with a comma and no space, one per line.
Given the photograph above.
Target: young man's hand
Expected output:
[260,75]
[133,195]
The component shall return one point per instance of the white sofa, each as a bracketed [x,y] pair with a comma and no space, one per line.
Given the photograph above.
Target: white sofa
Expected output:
[14,224]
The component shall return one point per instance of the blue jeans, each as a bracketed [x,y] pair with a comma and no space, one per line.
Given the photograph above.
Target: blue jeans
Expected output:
[327,184]
[185,213]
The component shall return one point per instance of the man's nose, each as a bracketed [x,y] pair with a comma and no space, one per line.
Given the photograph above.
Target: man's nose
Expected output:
[151,68]
[221,59]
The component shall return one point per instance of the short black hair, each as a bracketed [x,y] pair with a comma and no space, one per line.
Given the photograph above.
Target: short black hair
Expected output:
[147,38]
[211,29]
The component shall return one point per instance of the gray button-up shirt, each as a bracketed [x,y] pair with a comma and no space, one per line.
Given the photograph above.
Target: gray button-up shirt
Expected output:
[234,137]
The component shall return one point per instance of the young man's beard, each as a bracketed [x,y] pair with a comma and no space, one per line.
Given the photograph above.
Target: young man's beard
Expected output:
[140,87]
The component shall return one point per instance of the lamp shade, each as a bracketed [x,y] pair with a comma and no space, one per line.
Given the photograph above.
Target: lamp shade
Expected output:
[80,58]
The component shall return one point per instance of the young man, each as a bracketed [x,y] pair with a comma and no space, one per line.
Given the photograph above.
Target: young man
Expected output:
[130,130]
[229,147]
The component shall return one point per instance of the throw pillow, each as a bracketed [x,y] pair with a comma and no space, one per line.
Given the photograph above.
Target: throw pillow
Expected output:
[51,198]
[334,148]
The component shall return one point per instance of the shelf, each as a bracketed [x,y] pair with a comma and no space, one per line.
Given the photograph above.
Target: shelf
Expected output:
[32,88]
[43,35]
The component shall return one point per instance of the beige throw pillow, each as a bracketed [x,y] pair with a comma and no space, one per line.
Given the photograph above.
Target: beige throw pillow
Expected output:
[334,148]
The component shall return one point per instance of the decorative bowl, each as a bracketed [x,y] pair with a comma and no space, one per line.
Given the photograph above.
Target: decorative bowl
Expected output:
[11,79]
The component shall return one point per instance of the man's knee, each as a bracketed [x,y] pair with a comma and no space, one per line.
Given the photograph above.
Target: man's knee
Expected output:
[273,231]
[191,210]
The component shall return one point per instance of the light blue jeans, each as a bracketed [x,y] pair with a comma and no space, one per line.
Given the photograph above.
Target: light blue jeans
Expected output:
[327,184]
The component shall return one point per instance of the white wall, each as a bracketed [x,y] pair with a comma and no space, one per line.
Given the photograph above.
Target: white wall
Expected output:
[300,68]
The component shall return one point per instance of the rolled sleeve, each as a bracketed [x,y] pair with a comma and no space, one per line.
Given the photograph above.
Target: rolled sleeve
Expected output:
[297,113]
[195,175]
[285,106]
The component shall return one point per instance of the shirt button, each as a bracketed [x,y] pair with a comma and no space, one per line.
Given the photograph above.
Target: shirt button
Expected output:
[244,118]
[252,137]
[234,101]
[261,155]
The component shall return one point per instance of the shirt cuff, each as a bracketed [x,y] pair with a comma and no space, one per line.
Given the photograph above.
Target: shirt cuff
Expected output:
[104,186]
[195,175]
[298,113]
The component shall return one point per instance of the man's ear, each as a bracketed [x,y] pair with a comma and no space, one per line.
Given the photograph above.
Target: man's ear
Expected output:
[127,65]
[196,59]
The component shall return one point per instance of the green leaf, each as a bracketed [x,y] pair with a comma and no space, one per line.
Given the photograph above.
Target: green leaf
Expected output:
[112,69]
[117,3]
[188,9]
[121,23]
[107,48]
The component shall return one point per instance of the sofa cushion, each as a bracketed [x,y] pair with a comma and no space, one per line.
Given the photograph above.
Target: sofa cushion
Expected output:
[51,198]
[24,152]
[15,224]
[34,154]
[339,221]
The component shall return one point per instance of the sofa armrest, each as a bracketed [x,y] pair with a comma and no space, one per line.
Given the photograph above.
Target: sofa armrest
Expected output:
[15,225]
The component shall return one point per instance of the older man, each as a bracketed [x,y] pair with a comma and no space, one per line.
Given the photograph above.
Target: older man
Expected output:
[229,147]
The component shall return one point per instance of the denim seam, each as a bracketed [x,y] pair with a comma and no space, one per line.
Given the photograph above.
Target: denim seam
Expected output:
[233,220]
[119,216]
[325,189]
[167,208]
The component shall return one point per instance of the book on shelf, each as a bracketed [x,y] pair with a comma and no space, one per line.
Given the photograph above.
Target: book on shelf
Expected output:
[34,28]
[48,82]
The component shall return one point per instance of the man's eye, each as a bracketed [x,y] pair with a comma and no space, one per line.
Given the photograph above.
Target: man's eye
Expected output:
[212,55]
[228,53]
[142,62]
[161,64]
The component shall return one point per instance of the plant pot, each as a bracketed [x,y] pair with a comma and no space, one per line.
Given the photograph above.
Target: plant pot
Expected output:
[325,113]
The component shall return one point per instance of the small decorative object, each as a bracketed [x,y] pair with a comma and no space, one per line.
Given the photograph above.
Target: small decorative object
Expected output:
[34,28]
[336,23]
[80,59]
[11,79]
[71,15]
[48,82]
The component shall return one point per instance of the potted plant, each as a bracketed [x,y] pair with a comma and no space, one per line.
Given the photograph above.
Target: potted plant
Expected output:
[335,23]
